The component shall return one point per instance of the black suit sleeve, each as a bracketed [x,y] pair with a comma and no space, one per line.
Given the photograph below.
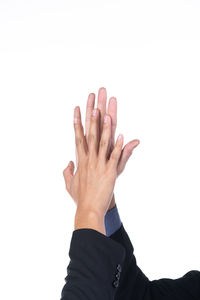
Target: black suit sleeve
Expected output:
[105,268]
[134,284]
[96,262]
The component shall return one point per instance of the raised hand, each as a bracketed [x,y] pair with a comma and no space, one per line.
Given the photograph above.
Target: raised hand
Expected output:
[112,111]
[71,179]
[92,185]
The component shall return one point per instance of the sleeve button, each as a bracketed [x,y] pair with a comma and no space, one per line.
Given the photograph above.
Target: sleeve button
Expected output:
[116,283]
[117,275]
[119,268]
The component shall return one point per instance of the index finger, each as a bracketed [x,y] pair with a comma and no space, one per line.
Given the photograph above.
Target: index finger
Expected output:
[80,141]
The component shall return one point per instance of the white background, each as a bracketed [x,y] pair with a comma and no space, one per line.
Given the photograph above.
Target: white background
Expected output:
[52,55]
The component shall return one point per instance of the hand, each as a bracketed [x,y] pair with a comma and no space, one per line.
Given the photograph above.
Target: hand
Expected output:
[92,185]
[112,111]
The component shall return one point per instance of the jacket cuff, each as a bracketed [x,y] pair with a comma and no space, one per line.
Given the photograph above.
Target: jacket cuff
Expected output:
[122,237]
[95,265]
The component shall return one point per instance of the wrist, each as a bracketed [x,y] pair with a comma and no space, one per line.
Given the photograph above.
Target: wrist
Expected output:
[89,219]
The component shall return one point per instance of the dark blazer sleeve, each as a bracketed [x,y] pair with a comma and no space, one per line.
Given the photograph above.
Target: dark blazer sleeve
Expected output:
[96,262]
[134,284]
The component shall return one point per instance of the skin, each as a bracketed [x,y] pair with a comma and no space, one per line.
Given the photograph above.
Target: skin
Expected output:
[99,162]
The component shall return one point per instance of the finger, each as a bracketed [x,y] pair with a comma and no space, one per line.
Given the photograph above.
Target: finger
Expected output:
[112,111]
[104,144]
[68,174]
[93,136]
[89,109]
[101,105]
[116,153]
[80,140]
[126,153]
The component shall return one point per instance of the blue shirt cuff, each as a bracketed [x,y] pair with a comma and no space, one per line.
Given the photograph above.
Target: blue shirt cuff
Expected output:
[112,221]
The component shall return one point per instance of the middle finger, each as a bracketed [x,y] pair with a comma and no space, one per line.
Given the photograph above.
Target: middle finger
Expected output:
[89,109]
[112,111]
[101,104]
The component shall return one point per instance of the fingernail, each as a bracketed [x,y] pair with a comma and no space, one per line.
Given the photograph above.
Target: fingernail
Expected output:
[106,119]
[94,112]
[137,143]
[120,137]
[113,99]
[91,98]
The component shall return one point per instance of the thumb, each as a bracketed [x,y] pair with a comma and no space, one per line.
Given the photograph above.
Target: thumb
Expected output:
[68,174]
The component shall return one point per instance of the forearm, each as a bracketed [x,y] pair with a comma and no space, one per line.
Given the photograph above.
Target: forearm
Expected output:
[94,262]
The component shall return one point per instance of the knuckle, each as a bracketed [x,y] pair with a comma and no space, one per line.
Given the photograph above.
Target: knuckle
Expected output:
[103,143]
[118,146]
[76,125]
[107,125]
[91,138]
[114,155]
[94,118]
[79,141]
[91,166]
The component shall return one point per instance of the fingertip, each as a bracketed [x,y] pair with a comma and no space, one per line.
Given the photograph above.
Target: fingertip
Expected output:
[120,141]
[71,164]
[113,99]
[69,169]
[76,108]
[102,88]
[137,142]
[77,115]
[91,99]
[102,92]
[134,143]
[120,138]
[91,94]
